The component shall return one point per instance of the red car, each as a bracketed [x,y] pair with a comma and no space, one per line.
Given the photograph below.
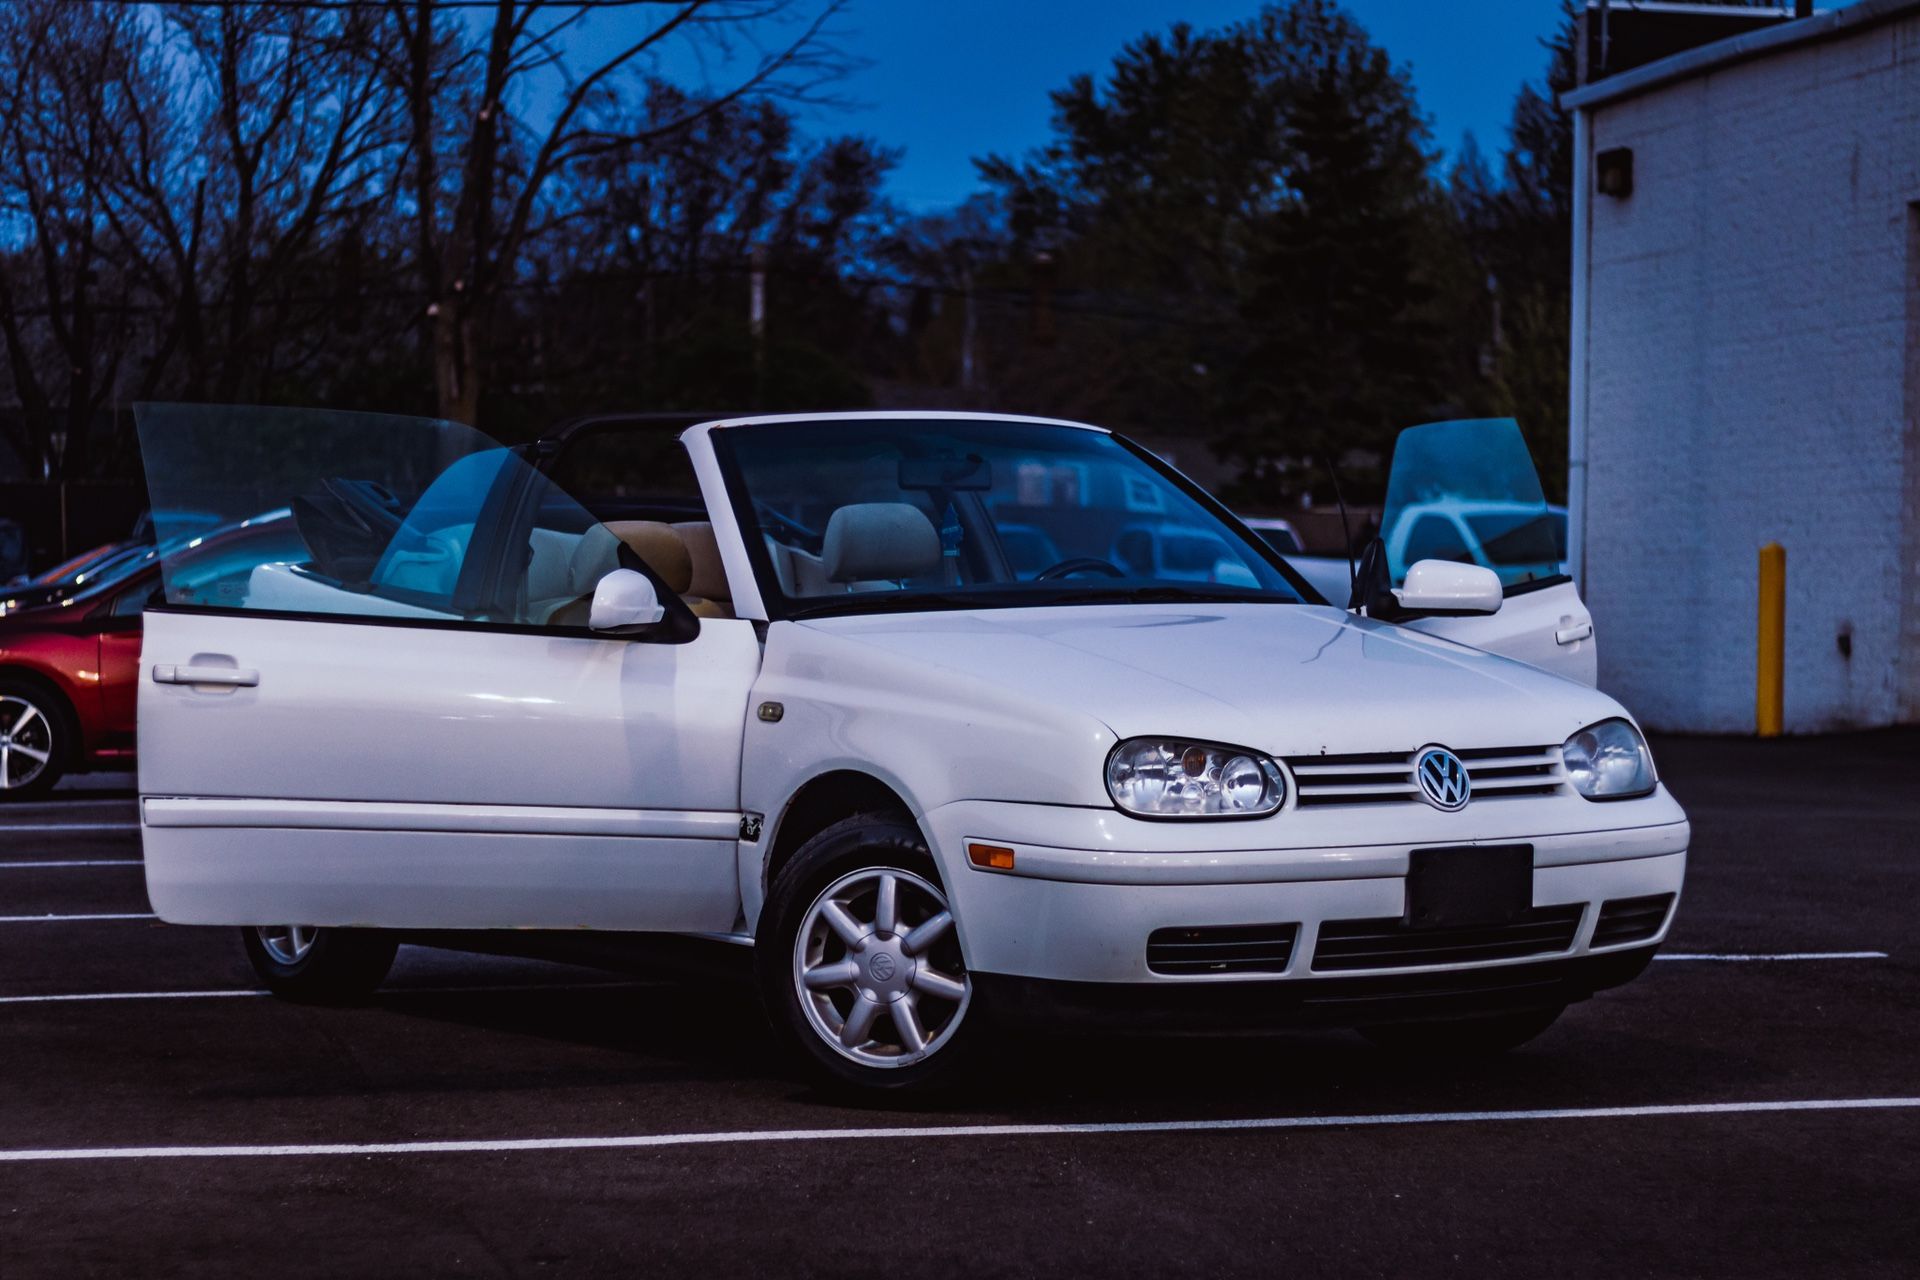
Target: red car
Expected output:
[69,671]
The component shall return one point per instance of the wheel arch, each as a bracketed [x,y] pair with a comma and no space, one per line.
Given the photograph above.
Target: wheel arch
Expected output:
[59,698]
[817,804]
[72,752]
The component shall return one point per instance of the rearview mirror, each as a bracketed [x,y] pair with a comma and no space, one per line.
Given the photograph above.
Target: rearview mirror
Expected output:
[623,601]
[971,474]
[1445,588]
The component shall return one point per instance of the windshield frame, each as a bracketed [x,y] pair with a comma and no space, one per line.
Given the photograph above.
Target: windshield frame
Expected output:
[1067,592]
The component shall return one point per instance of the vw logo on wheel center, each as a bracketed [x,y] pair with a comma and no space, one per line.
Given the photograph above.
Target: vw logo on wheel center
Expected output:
[1443,779]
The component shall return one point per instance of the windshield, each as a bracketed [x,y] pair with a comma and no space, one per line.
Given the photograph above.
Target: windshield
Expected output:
[895,514]
[1281,540]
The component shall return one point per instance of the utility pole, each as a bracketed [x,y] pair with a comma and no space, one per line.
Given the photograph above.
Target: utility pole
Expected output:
[57,466]
[1040,319]
[967,329]
[757,322]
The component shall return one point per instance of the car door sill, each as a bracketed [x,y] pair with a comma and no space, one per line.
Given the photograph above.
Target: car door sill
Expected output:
[504,819]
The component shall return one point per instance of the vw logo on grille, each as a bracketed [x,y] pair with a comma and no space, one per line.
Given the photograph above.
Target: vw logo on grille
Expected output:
[1442,779]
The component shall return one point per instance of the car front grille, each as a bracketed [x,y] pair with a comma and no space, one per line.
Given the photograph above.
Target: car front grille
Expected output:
[1386,777]
[1630,919]
[1391,944]
[1249,948]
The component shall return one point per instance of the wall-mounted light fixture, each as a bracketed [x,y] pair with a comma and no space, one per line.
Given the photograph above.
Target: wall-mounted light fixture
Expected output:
[1613,172]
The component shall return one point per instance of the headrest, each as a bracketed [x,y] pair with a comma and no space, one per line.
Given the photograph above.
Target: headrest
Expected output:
[709,574]
[654,542]
[871,540]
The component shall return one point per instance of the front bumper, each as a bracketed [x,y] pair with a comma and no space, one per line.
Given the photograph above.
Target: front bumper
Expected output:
[1235,1007]
[1080,906]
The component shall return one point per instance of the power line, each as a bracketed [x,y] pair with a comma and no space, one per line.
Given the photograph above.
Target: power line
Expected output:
[1080,302]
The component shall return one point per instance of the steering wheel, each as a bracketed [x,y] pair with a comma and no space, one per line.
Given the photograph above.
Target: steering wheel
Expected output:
[1080,564]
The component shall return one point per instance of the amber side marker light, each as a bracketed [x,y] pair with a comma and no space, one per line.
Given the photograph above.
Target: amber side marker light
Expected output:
[994,857]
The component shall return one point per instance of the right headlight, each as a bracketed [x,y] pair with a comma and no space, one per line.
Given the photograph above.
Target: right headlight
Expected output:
[1609,761]
[1171,778]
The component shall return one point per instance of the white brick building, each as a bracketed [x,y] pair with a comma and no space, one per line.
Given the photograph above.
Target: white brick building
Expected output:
[1746,368]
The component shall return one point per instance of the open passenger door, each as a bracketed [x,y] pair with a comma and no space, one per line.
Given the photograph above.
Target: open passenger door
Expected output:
[1468,491]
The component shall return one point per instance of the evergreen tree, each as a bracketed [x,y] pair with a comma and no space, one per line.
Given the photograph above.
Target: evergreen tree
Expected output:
[1243,232]
[1344,346]
[1519,230]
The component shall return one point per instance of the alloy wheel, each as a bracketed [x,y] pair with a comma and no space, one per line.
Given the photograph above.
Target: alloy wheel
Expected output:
[287,943]
[877,967]
[26,742]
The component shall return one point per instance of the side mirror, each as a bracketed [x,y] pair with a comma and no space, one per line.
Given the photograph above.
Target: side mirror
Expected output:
[1447,589]
[623,601]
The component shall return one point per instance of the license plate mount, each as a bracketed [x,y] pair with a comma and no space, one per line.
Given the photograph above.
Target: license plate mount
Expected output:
[1469,885]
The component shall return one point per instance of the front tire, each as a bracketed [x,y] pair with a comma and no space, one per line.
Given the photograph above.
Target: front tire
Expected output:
[36,740]
[1461,1038]
[859,961]
[319,966]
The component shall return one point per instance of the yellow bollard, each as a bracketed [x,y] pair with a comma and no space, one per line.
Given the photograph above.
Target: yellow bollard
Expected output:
[1770,695]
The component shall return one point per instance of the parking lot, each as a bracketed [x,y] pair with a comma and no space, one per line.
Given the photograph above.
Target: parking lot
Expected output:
[1749,1107]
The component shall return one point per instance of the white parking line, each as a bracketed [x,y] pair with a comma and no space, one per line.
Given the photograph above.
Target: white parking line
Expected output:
[73,997]
[923,1132]
[67,997]
[1777,955]
[93,862]
[114,915]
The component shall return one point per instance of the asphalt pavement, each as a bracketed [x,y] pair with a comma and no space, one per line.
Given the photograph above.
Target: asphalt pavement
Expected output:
[1750,1107]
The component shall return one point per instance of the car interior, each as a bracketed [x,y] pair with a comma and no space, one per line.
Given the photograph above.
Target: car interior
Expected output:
[564,568]
[866,546]
[604,492]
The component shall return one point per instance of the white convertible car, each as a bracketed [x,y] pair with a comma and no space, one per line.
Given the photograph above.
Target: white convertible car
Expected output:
[774,681]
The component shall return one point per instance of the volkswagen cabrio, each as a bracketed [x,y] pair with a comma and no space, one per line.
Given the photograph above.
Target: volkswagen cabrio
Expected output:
[777,681]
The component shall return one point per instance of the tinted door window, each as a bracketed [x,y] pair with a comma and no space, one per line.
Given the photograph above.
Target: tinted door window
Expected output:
[1471,470]
[1520,544]
[365,515]
[1436,538]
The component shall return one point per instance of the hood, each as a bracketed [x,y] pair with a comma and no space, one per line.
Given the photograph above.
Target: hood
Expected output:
[1283,679]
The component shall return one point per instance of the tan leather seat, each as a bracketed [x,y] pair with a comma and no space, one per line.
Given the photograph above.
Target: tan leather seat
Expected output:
[660,545]
[707,593]
[598,554]
[677,559]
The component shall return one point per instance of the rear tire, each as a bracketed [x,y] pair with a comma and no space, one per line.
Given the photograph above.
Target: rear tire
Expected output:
[37,739]
[319,966]
[859,961]
[1482,1037]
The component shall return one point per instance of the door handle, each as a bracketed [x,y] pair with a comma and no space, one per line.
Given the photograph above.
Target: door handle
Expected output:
[1572,635]
[228,676]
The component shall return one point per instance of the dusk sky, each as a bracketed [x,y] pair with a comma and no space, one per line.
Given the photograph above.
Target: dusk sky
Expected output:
[951,81]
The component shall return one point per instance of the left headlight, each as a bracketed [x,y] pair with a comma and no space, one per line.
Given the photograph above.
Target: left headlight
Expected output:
[1609,761]
[1169,778]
